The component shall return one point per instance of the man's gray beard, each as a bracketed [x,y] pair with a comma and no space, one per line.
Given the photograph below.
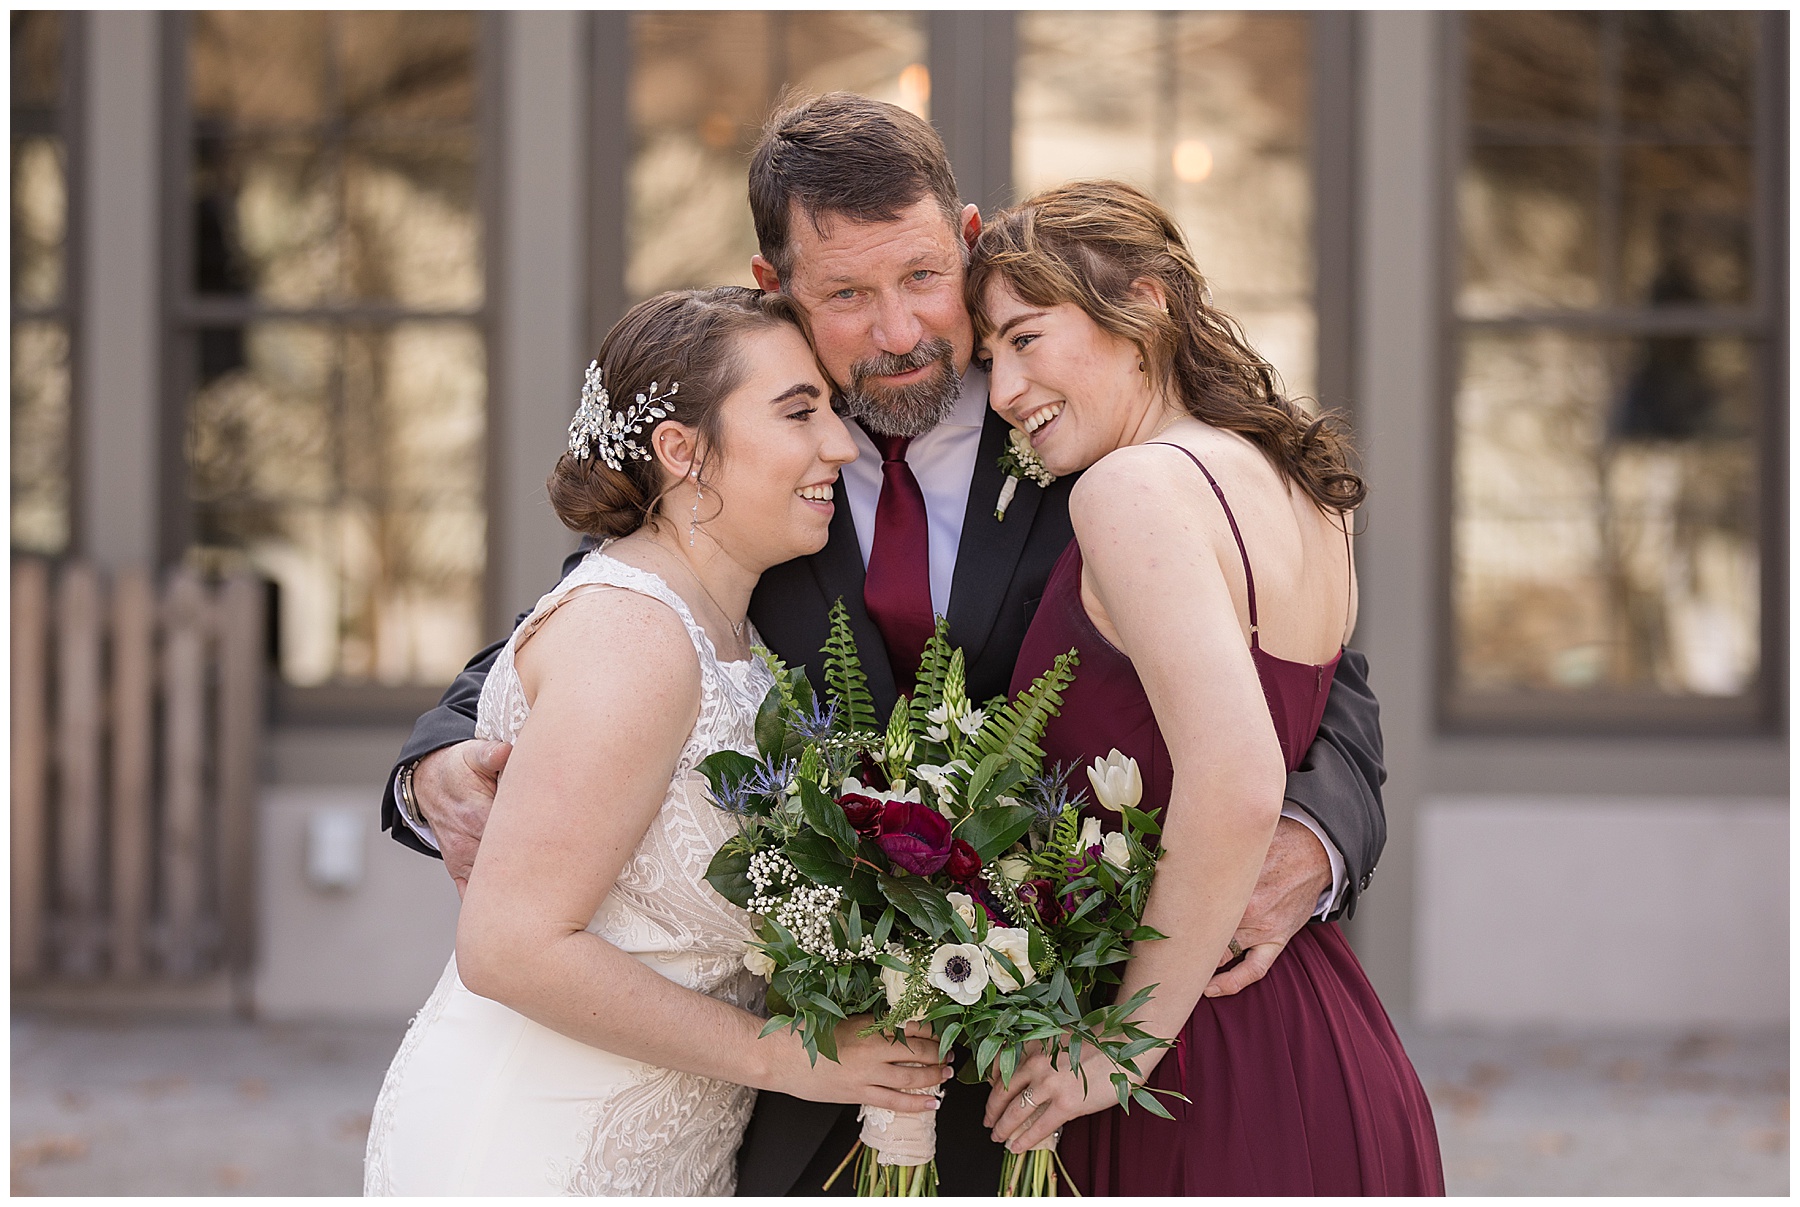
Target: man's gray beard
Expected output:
[909,410]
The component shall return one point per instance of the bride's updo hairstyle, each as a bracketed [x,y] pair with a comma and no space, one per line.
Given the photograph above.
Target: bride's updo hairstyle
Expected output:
[1088,243]
[692,337]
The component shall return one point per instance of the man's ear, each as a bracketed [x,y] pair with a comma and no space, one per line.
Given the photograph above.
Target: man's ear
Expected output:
[971,224]
[767,279]
[1148,289]
[676,447]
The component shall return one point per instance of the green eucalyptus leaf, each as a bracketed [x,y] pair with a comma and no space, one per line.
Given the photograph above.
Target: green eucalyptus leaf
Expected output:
[993,829]
[729,873]
[825,816]
[920,901]
[817,858]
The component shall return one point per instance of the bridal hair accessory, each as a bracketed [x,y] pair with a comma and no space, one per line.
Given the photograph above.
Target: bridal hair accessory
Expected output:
[611,433]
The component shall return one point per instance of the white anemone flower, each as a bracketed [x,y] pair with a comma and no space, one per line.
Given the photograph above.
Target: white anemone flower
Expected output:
[964,905]
[1118,784]
[960,970]
[1116,851]
[1015,944]
[759,961]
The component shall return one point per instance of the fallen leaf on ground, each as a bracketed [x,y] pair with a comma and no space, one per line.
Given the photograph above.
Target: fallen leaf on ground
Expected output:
[230,1176]
[42,1150]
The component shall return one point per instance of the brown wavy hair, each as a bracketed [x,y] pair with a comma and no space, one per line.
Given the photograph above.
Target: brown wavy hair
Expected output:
[688,336]
[1090,243]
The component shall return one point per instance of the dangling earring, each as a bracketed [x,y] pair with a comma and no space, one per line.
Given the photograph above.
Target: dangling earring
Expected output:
[699,492]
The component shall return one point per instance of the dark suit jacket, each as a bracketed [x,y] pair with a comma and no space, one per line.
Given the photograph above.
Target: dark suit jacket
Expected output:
[1001,569]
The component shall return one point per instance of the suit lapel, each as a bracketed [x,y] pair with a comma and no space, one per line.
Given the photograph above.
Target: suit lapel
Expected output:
[990,548]
[839,570]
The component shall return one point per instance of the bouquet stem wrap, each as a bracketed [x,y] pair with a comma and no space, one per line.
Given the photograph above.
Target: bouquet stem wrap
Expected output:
[901,1138]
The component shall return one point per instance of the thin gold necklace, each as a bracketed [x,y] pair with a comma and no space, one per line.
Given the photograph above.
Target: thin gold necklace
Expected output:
[737,630]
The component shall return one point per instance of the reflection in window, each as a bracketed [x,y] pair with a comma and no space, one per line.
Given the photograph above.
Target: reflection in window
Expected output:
[701,86]
[1209,113]
[338,409]
[1612,388]
[41,454]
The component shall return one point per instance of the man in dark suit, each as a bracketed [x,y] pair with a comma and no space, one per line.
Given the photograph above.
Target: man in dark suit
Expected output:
[858,220]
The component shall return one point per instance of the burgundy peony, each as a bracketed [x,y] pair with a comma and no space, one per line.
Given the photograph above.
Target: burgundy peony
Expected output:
[864,812]
[916,837]
[964,864]
[1041,895]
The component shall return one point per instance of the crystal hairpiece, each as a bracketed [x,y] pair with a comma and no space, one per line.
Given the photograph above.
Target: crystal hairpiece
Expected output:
[596,428]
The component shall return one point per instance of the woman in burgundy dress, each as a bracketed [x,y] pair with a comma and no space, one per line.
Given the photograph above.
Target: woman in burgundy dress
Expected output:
[1209,590]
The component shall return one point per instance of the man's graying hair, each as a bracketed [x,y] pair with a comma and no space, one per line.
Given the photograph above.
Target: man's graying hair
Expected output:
[841,154]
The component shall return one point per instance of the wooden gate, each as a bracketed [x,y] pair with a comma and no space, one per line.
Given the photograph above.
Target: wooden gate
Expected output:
[136,721]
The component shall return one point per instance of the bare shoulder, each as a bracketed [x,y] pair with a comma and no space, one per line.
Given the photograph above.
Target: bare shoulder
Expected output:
[1138,494]
[602,638]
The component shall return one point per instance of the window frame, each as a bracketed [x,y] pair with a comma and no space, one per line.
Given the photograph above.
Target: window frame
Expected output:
[1764,321]
[185,312]
[68,127]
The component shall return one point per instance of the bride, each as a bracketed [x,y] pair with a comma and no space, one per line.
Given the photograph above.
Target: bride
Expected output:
[596,1031]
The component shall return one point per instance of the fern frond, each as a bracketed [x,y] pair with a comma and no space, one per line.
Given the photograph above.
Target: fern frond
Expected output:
[1014,731]
[844,677]
[934,666]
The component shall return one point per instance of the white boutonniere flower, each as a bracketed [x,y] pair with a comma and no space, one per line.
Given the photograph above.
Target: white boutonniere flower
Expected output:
[1020,461]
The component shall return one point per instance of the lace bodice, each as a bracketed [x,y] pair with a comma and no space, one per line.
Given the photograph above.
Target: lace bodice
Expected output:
[661,905]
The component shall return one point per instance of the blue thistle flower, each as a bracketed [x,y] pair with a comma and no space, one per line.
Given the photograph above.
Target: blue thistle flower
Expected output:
[769,778]
[818,722]
[1048,792]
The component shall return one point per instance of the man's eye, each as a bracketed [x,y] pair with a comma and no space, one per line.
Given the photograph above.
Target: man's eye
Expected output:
[922,274]
[844,295]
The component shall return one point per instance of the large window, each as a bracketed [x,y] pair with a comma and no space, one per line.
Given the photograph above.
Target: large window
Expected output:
[701,86]
[41,304]
[329,310]
[1209,113]
[1616,300]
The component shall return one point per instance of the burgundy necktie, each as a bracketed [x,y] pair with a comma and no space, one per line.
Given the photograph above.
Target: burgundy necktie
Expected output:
[897,588]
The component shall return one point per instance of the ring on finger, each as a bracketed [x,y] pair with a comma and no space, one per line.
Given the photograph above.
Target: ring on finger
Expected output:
[1236,948]
[1026,1095]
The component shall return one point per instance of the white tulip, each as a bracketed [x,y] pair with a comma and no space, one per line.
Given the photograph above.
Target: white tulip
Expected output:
[964,905]
[1089,836]
[1118,784]
[960,970]
[1015,944]
[1116,851]
[759,962]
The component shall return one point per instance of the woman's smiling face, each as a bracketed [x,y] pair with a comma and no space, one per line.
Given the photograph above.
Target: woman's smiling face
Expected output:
[1058,376]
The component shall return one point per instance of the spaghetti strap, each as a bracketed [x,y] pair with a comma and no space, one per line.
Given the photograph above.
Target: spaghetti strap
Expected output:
[1243,554]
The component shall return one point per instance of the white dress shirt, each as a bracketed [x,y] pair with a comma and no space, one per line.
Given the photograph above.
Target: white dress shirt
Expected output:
[943,461]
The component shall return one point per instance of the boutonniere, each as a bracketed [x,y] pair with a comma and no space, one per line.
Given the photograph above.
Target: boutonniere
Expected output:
[1019,461]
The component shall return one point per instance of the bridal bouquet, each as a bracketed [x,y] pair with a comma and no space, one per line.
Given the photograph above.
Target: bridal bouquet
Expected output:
[929,870]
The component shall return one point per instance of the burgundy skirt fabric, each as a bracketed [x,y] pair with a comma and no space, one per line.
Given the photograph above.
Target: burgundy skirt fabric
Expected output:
[1296,1086]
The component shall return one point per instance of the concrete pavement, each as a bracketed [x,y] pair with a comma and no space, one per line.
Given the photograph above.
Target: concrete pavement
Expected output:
[197,1106]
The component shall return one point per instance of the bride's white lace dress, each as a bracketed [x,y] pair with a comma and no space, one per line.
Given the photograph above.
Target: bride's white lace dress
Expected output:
[481,1100]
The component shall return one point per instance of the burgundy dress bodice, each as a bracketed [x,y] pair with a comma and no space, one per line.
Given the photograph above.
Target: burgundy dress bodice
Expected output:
[1105,708]
[1298,1084]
